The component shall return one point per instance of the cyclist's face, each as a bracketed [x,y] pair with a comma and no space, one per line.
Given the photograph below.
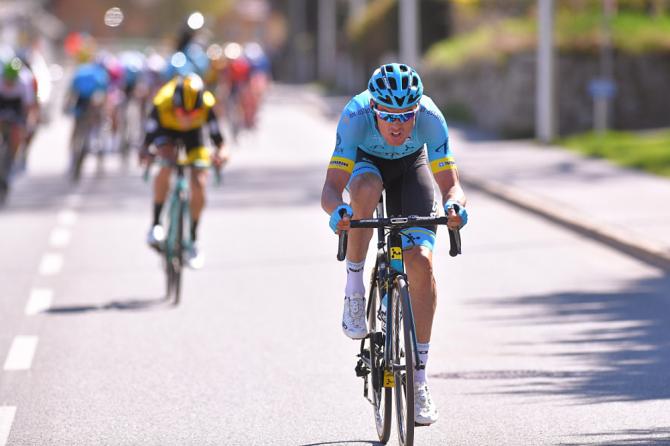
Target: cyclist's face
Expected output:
[394,133]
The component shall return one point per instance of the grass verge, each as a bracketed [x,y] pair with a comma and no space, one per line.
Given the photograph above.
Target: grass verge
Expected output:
[648,151]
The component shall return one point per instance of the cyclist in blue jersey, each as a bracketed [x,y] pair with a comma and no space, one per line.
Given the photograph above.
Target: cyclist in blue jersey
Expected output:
[88,92]
[392,137]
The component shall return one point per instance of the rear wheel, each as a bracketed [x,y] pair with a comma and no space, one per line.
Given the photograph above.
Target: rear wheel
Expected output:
[381,396]
[81,142]
[403,359]
[5,167]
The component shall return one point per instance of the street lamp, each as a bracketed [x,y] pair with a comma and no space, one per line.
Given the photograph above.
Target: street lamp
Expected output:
[195,21]
[113,17]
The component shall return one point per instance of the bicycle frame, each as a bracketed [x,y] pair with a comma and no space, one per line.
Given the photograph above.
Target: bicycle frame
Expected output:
[179,198]
[388,267]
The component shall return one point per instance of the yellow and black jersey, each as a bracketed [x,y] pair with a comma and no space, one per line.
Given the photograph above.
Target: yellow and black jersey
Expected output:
[163,116]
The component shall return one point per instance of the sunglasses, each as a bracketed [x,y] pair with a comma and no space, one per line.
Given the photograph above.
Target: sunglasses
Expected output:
[391,117]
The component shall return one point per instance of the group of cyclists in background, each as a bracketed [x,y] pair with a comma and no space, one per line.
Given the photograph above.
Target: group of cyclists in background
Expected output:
[111,94]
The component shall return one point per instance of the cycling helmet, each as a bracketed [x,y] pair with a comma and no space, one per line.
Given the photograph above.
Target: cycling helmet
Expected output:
[12,69]
[188,93]
[395,85]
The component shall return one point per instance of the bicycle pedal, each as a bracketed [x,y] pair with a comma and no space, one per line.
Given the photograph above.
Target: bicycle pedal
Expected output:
[361,369]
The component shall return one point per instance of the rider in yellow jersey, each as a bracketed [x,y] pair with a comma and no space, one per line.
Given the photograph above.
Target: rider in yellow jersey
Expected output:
[182,108]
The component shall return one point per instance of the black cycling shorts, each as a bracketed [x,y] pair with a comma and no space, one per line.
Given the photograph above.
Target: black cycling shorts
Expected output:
[408,182]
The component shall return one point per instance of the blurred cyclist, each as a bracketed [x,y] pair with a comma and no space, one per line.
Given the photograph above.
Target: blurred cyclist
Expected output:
[17,101]
[182,109]
[86,99]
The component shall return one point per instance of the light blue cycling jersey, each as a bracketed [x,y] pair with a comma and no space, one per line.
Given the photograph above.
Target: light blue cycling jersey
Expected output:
[89,79]
[357,129]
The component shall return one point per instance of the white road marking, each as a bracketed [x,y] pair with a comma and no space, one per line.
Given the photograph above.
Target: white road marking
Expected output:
[20,356]
[51,264]
[59,237]
[6,419]
[39,301]
[67,217]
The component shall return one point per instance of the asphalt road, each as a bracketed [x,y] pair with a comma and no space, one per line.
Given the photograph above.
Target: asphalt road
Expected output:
[541,337]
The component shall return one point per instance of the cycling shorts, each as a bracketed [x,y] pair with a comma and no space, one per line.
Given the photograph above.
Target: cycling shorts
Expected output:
[409,191]
[12,110]
[197,154]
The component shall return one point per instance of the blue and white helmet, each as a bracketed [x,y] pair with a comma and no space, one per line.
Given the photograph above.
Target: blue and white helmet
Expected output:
[395,85]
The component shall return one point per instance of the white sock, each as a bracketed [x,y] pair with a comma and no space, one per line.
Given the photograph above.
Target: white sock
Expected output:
[354,278]
[420,375]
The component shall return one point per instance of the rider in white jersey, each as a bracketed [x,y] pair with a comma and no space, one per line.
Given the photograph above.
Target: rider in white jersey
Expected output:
[391,137]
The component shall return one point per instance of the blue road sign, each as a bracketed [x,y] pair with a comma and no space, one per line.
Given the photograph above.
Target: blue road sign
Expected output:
[602,89]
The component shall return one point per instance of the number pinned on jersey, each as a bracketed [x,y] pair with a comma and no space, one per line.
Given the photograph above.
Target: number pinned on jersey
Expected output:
[389,379]
[396,253]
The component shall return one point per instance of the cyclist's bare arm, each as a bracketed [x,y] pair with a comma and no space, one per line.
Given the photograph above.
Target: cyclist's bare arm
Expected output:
[150,131]
[450,187]
[331,196]
[222,154]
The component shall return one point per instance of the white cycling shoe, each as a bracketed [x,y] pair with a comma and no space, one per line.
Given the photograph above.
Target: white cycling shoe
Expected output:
[425,411]
[195,259]
[156,237]
[353,317]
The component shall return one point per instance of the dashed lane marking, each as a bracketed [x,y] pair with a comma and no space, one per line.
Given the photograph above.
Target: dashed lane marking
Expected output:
[51,264]
[39,301]
[67,217]
[6,419]
[59,237]
[20,356]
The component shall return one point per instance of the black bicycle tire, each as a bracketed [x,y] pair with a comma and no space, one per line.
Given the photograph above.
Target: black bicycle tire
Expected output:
[179,251]
[82,150]
[5,168]
[169,253]
[383,411]
[404,397]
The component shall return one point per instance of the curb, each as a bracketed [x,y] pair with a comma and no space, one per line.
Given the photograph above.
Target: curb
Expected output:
[640,249]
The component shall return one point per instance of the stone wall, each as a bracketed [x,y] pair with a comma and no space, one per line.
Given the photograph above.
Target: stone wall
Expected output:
[500,96]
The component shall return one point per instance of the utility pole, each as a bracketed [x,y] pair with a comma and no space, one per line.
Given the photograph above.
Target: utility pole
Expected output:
[409,32]
[604,89]
[545,101]
[299,56]
[327,36]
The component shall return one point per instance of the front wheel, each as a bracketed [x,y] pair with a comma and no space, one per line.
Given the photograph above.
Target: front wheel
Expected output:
[381,395]
[174,251]
[403,361]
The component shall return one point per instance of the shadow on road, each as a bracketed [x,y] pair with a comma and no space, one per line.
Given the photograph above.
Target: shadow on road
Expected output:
[267,186]
[625,340]
[375,443]
[633,437]
[115,305]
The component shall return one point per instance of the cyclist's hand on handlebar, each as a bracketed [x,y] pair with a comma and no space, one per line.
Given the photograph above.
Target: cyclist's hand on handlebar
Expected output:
[339,219]
[457,216]
[146,157]
[220,157]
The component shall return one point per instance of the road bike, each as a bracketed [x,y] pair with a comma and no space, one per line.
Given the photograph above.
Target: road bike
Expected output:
[388,354]
[177,239]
